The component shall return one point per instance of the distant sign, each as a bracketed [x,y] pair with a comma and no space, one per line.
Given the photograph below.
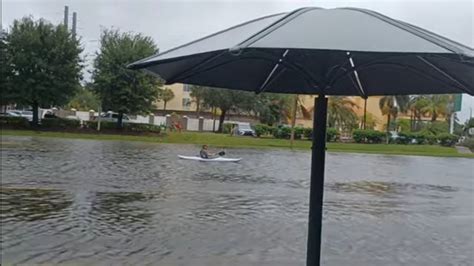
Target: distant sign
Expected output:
[457,102]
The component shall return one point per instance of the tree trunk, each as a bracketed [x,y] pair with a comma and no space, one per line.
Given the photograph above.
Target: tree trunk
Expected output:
[388,127]
[164,106]
[434,116]
[120,120]
[293,121]
[35,120]
[221,121]
[198,106]
[364,123]
[213,119]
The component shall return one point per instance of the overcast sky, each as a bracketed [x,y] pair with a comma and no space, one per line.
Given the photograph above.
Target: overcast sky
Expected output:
[175,22]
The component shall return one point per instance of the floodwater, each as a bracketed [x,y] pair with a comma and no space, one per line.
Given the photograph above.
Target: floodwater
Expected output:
[130,203]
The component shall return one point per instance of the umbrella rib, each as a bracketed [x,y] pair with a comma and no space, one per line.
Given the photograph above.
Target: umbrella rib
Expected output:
[194,68]
[431,64]
[359,86]
[270,75]
[147,59]
[274,26]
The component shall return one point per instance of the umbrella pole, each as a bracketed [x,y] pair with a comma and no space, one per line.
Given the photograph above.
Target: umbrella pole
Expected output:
[313,255]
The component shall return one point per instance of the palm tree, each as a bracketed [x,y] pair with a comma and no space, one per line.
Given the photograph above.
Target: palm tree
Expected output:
[417,105]
[166,95]
[341,112]
[391,106]
[197,93]
[437,105]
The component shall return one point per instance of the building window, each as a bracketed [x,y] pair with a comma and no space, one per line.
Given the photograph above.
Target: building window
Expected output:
[186,103]
[187,88]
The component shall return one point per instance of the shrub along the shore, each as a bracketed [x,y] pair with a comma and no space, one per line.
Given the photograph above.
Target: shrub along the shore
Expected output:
[62,124]
[367,136]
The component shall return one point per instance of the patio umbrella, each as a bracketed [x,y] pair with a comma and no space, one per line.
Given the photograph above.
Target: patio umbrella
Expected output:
[343,51]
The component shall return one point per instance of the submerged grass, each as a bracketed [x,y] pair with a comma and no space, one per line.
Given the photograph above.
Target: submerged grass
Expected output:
[221,140]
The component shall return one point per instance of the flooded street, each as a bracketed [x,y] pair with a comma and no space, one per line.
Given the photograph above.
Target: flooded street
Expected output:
[131,203]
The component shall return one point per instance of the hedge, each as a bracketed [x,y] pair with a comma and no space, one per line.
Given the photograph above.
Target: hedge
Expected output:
[420,138]
[282,132]
[332,134]
[368,136]
[14,122]
[446,139]
[60,123]
[127,127]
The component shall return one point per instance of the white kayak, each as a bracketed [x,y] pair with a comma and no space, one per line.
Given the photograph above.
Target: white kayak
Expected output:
[217,159]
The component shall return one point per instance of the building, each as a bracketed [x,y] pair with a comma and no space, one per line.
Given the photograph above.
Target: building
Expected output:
[182,100]
[373,110]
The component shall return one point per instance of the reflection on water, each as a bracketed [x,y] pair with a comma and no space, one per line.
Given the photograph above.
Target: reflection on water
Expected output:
[88,202]
[118,208]
[31,204]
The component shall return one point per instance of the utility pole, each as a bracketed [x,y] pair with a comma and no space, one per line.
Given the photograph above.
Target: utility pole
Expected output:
[74,23]
[66,16]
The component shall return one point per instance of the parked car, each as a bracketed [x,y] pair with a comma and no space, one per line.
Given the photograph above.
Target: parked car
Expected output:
[112,117]
[243,129]
[20,113]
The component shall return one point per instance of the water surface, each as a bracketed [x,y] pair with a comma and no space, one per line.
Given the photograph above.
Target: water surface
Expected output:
[132,203]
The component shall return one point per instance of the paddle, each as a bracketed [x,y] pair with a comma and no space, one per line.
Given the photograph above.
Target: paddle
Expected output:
[222,153]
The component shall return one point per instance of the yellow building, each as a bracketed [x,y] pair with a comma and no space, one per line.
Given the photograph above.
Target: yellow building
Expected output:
[182,100]
[373,110]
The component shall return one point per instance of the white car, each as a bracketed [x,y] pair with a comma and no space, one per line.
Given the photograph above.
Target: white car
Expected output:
[19,113]
[112,117]
[244,129]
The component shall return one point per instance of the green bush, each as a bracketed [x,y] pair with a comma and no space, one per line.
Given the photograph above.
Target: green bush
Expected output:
[308,133]
[404,138]
[332,134]
[14,122]
[368,136]
[259,130]
[127,127]
[138,127]
[404,125]
[60,123]
[282,132]
[469,142]
[424,138]
[446,139]
[226,128]
[438,127]
[103,124]
[299,132]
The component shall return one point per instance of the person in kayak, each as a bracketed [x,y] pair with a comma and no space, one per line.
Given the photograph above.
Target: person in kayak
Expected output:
[205,154]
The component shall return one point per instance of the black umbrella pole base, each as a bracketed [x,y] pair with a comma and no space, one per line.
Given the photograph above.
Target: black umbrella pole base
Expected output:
[313,256]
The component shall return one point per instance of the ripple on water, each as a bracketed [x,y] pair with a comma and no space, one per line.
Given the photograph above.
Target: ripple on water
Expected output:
[91,202]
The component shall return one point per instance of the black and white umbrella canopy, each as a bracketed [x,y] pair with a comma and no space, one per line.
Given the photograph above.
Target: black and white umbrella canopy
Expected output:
[343,51]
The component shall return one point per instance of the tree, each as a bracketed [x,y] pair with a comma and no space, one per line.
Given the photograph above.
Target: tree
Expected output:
[121,89]
[436,105]
[341,112]
[197,93]
[417,105]
[84,100]
[46,63]
[7,96]
[273,108]
[391,106]
[226,100]
[166,95]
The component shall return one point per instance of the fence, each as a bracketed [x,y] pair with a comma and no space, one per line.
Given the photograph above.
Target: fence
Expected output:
[192,124]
